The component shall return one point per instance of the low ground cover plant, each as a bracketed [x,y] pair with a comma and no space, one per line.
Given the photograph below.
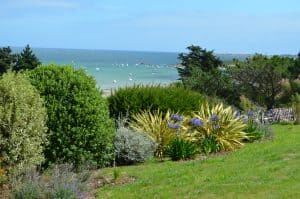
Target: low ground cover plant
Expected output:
[255,130]
[59,181]
[181,149]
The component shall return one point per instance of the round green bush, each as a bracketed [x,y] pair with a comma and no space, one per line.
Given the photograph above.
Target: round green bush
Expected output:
[131,100]
[80,129]
[22,124]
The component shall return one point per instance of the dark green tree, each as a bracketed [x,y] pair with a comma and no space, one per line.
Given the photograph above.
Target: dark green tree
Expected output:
[26,60]
[204,72]
[260,77]
[215,83]
[197,58]
[7,59]
[295,68]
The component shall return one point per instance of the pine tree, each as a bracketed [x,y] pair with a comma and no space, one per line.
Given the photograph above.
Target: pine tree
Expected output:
[7,59]
[198,58]
[26,60]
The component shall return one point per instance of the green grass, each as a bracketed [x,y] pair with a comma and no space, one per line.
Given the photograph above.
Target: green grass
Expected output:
[261,170]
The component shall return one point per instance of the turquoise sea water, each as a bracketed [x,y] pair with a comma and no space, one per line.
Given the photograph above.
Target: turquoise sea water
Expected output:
[113,69]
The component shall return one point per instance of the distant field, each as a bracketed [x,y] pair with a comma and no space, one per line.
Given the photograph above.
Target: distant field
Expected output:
[260,170]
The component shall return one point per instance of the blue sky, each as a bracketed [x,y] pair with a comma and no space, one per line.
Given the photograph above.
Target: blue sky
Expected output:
[227,26]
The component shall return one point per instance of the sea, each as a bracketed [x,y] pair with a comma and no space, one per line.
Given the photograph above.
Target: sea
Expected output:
[113,69]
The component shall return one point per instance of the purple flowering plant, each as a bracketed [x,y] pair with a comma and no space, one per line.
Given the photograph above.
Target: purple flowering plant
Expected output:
[214,118]
[196,122]
[174,125]
[176,117]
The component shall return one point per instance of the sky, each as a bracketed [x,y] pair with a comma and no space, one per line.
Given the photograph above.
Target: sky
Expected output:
[225,26]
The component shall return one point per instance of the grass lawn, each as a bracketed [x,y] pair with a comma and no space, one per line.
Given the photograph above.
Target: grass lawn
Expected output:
[260,170]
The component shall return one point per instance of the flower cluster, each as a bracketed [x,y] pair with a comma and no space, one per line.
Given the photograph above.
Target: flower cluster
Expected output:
[196,122]
[245,120]
[216,127]
[250,113]
[176,117]
[214,118]
[237,114]
[174,125]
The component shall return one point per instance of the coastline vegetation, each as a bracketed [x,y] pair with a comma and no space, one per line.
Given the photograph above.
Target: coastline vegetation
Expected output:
[55,127]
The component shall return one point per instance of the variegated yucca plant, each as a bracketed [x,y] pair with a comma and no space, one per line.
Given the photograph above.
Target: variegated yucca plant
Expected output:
[155,125]
[218,121]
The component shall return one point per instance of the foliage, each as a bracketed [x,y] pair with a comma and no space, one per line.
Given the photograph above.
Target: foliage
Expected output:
[219,122]
[255,131]
[116,174]
[258,170]
[7,59]
[58,182]
[132,147]
[3,176]
[290,87]
[26,60]
[246,104]
[180,149]
[132,100]
[203,72]
[294,69]
[209,145]
[22,124]
[155,125]
[296,104]
[197,58]
[259,77]
[80,129]
[215,83]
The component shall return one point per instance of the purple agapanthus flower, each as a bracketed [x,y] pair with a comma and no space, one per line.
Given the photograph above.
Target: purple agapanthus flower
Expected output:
[214,118]
[196,122]
[245,120]
[174,125]
[237,114]
[250,113]
[176,117]
[215,127]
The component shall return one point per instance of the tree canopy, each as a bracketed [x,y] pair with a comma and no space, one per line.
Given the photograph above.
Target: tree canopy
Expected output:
[204,72]
[259,77]
[197,58]
[7,59]
[26,60]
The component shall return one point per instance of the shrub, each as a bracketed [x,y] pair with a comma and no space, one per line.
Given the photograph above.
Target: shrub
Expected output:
[180,149]
[132,100]
[216,127]
[57,182]
[22,125]
[79,125]
[132,147]
[246,104]
[256,131]
[155,125]
[209,145]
